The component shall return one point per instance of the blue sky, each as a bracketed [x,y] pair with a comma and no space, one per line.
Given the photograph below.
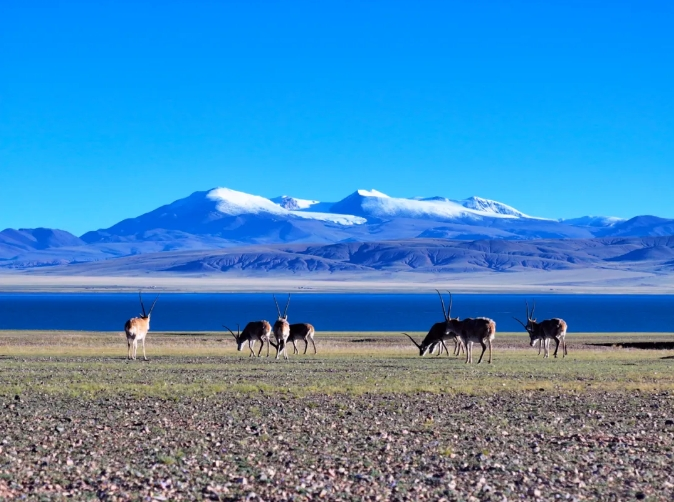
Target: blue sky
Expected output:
[109,110]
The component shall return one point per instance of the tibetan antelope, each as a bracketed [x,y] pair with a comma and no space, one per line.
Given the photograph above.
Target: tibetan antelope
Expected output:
[474,330]
[438,333]
[136,329]
[302,331]
[281,330]
[253,332]
[544,331]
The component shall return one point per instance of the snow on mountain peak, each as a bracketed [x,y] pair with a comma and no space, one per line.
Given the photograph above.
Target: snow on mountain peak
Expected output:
[235,203]
[230,201]
[292,203]
[372,193]
[490,206]
[371,203]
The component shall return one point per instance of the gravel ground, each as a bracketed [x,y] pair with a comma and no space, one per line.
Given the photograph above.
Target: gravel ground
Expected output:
[365,419]
[524,445]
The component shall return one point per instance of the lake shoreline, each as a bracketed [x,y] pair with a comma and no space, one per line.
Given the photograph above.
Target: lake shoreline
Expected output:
[542,282]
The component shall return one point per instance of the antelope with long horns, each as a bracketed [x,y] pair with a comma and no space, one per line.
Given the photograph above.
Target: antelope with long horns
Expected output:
[438,333]
[136,329]
[281,330]
[544,331]
[253,332]
[474,330]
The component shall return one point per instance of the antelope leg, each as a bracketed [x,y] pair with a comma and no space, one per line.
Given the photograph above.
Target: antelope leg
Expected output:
[484,348]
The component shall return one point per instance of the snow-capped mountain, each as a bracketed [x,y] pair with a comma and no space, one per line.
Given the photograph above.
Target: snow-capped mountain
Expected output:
[223,217]
[236,217]
[491,207]
[374,204]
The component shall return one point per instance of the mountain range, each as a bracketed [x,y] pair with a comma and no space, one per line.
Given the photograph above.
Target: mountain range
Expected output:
[207,224]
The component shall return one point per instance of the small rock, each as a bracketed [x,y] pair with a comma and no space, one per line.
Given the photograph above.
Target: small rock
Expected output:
[669,421]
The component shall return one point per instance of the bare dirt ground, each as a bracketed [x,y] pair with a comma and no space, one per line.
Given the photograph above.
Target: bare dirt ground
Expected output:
[364,419]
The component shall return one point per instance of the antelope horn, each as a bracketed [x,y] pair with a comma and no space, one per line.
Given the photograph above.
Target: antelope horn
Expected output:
[278,309]
[140,296]
[285,312]
[235,337]
[449,311]
[523,325]
[533,309]
[152,307]
[527,304]
[413,341]
[443,306]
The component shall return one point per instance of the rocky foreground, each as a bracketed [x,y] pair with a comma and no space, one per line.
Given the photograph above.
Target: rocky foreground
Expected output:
[231,446]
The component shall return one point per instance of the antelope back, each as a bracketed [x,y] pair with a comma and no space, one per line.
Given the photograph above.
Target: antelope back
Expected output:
[300,331]
[256,330]
[552,328]
[476,329]
[137,326]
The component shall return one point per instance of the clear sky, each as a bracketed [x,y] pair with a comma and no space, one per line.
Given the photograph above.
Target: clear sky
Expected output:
[111,109]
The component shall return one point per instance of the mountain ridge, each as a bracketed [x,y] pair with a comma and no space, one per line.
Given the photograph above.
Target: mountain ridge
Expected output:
[223,218]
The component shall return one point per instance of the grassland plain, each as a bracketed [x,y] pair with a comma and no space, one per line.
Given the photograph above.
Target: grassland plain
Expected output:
[366,418]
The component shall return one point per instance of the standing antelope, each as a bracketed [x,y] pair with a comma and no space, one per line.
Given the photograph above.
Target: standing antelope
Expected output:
[136,329]
[282,330]
[544,331]
[438,333]
[302,331]
[474,330]
[254,331]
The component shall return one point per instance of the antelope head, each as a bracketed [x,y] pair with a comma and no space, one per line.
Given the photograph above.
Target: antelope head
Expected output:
[237,337]
[423,346]
[283,317]
[432,337]
[531,325]
[142,306]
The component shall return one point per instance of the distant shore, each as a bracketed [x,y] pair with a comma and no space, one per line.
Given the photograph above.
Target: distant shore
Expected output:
[589,281]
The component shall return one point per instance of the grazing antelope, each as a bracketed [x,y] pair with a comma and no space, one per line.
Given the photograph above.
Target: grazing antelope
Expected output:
[136,329]
[474,330]
[281,330]
[544,331]
[438,333]
[254,331]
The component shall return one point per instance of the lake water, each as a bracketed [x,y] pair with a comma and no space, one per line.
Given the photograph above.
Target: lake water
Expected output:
[331,312]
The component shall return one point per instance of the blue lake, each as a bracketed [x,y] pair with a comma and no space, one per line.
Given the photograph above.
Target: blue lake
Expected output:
[331,312]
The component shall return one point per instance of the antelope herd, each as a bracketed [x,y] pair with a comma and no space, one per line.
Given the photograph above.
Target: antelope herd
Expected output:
[464,333]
